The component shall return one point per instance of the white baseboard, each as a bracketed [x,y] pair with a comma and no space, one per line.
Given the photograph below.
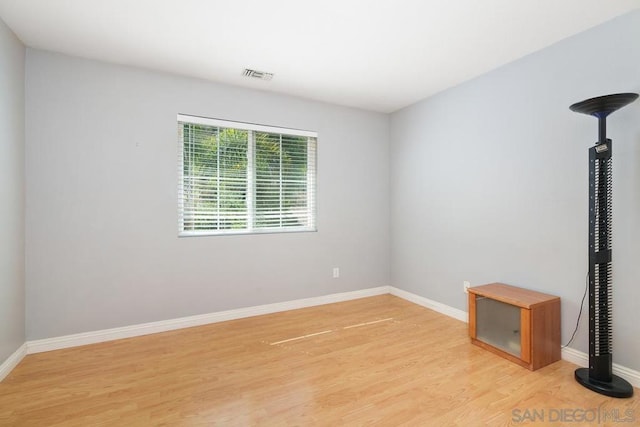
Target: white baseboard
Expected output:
[582,359]
[575,356]
[56,343]
[13,360]
[430,304]
[66,341]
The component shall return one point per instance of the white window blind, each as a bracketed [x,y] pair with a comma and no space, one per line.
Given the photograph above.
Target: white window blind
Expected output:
[244,178]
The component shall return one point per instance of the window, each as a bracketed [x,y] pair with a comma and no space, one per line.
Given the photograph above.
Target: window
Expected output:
[244,178]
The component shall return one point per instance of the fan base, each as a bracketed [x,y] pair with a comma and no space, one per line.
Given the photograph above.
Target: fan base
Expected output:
[617,387]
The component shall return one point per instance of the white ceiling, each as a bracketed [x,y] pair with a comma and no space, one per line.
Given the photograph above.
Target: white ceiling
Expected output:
[378,55]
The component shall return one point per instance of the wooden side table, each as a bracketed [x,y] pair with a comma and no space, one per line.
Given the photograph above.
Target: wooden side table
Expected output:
[518,324]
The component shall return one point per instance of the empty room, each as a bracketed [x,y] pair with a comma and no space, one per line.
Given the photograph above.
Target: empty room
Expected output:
[418,213]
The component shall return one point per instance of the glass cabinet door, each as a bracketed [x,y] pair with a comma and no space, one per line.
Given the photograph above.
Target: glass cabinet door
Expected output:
[498,324]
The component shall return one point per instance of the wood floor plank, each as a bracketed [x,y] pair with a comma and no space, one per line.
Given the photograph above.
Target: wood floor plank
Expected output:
[385,362]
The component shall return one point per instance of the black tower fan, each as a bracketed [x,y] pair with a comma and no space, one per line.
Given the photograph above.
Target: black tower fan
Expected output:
[599,377]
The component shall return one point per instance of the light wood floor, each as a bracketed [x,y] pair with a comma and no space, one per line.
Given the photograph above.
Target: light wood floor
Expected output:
[411,367]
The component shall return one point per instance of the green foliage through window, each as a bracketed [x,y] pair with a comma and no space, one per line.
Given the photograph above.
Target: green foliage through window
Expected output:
[245,180]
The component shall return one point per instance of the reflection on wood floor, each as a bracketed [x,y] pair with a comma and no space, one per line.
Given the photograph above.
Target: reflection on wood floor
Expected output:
[373,361]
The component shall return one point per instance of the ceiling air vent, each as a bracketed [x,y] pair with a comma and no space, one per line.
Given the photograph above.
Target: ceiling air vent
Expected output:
[262,75]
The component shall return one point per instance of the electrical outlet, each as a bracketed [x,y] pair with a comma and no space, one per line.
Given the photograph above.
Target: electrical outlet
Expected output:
[465,286]
[336,272]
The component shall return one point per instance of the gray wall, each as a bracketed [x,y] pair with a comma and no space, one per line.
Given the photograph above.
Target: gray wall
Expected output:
[102,245]
[12,293]
[489,181]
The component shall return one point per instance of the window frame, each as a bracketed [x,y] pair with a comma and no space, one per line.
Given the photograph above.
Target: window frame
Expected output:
[311,180]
